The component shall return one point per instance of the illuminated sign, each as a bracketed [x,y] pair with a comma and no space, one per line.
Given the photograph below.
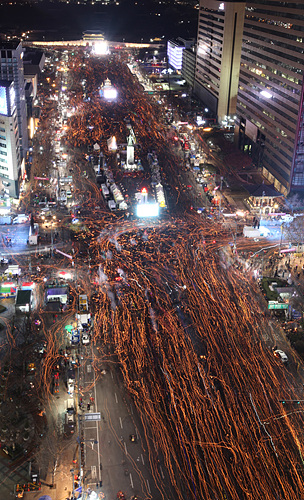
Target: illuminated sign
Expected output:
[12,98]
[147,210]
[175,55]
[3,101]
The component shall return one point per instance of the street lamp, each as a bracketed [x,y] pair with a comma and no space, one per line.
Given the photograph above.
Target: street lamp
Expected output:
[220,203]
[52,239]
[261,205]
[73,484]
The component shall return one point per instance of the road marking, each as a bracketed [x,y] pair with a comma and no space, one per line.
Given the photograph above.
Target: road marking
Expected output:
[126,451]
[131,481]
[142,459]
[112,374]
[120,421]
[116,399]
[148,486]
[161,471]
[93,471]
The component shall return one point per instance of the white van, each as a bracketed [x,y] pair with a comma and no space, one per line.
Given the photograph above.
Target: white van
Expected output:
[63,196]
[112,205]
[20,219]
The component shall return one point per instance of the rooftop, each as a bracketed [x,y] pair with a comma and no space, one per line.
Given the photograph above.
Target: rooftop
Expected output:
[5,83]
[9,44]
[23,297]
[32,57]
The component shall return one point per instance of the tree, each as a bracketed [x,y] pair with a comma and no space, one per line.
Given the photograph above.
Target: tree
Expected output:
[55,444]
[294,202]
[294,231]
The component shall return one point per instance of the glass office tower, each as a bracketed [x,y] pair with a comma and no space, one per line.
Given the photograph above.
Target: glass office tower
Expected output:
[11,68]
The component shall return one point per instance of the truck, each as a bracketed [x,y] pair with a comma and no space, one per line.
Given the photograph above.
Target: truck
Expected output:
[83,303]
[105,191]
[33,234]
[83,315]
[20,219]
[5,219]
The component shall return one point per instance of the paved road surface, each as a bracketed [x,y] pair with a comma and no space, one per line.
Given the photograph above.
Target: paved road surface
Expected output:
[110,455]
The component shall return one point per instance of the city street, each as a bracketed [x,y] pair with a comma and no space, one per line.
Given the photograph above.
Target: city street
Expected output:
[149,353]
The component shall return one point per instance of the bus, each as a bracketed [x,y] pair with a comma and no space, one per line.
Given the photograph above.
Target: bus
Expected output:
[33,234]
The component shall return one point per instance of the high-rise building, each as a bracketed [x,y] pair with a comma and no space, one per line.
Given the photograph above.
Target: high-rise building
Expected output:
[175,49]
[188,65]
[11,69]
[270,109]
[219,39]
[10,160]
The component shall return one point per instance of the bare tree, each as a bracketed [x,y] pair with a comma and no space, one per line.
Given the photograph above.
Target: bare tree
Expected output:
[294,231]
[51,451]
[294,202]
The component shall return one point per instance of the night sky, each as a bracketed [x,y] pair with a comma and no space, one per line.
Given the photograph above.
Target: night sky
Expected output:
[129,21]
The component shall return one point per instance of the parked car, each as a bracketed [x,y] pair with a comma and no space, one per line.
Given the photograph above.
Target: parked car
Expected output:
[70,421]
[71,385]
[85,338]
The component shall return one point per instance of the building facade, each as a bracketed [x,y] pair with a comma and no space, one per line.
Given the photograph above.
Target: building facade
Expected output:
[10,159]
[270,113]
[219,40]
[188,66]
[11,69]
[175,49]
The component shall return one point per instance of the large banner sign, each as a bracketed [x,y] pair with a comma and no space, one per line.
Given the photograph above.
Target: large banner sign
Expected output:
[3,101]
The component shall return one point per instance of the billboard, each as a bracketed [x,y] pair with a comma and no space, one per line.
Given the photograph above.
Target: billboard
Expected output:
[3,101]
[101,48]
[12,99]
[109,93]
[147,210]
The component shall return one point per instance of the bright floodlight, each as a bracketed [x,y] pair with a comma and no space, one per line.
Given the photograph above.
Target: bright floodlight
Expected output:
[110,93]
[147,210]
[101,48]
[266,94]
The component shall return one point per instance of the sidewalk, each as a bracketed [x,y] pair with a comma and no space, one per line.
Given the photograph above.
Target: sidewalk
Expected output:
[56,454]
